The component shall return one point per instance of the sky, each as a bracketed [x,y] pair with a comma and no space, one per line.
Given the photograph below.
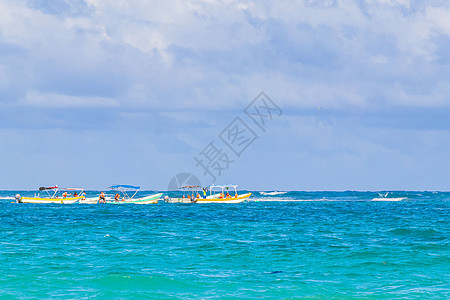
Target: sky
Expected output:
[353,94]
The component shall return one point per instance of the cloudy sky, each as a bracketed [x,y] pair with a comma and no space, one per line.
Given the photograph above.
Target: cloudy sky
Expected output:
[100,92]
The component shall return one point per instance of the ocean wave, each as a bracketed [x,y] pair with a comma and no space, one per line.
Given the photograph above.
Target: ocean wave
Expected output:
[272,193]
[426,233]
[292,200]
[389,199]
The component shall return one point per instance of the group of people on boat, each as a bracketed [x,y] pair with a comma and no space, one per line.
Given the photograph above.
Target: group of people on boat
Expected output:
[102,198]
[221,195]
[228,196]
[75,194]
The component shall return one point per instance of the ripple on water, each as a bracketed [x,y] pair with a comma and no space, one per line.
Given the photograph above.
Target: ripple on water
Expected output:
[322,249]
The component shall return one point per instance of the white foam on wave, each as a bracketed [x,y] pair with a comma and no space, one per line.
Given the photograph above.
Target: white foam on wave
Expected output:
[272,193]
[312,200]
[287,200]
[389,199]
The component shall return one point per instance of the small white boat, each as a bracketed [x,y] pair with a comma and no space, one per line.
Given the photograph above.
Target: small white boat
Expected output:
[220,194]
[190,194]
[90,200]
[54,196]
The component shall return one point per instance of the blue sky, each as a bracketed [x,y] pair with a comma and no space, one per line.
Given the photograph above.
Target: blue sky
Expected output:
[99,92]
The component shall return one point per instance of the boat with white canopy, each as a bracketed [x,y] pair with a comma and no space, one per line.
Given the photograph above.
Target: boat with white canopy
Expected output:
[129,192]
[221,194]
[191,193]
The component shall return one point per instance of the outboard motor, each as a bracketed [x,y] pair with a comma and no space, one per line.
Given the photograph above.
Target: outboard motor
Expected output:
[18,197]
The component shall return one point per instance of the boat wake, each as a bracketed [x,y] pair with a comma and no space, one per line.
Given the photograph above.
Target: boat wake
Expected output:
[389,199]
[274,193]
[289,200]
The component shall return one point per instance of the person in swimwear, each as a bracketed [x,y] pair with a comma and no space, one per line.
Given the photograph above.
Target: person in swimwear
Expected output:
[101,198]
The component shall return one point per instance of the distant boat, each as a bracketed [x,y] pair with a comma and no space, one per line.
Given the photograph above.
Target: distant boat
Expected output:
[190,194]
[53,196]
[220,194]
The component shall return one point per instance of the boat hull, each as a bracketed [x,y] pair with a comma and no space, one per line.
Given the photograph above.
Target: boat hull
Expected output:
[152,199]
[181,200]
[89,201]
[50,200]
[238,199]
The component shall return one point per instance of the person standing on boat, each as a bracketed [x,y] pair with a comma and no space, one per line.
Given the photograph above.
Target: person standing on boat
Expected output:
[101,198]
[117,198]
[204,193]
[64,194]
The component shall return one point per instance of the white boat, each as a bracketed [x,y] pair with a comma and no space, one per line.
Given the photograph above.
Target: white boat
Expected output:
[127,199]
[90,200]
[220,194]
[54,195]
[190,194]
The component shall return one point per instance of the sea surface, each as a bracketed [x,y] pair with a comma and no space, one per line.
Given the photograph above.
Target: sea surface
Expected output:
[315,245]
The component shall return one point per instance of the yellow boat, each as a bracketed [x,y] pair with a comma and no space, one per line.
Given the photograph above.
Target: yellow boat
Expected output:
[53,196]
[223,196]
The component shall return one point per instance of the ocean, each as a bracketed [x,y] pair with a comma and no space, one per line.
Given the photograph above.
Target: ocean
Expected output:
[315,245]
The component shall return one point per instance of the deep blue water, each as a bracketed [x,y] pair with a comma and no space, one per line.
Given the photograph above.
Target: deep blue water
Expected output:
[334,245]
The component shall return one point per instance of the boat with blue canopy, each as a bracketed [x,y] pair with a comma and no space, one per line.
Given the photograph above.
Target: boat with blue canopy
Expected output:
[129,192]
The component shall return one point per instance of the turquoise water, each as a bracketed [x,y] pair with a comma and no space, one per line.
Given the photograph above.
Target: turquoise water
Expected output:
[334,245]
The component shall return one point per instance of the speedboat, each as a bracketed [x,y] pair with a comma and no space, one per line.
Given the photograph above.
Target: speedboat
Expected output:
[54,195]
[127,190]
[220,194]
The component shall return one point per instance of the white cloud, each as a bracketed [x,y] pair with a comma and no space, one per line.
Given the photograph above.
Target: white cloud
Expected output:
[35,98]
[405,3]
[439,18]
[169,73]
[220,54]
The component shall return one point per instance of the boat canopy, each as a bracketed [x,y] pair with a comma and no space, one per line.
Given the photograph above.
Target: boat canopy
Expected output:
[225,186]
[124,186]
[48,188]
[187,187]
[222,188]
